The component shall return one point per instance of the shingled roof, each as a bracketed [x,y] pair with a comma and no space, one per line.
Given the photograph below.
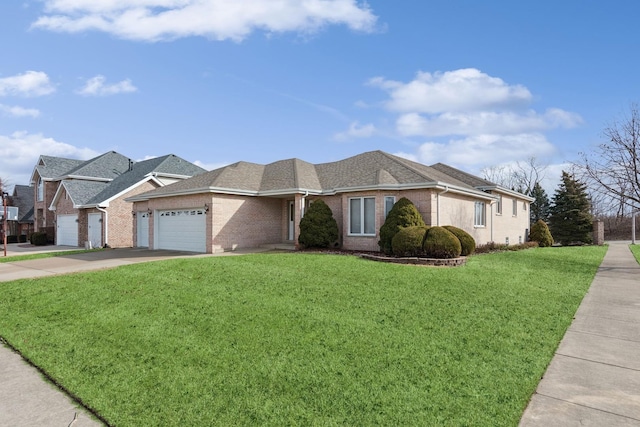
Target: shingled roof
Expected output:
[370,170]
[22,198]
[91,192]
[50,167]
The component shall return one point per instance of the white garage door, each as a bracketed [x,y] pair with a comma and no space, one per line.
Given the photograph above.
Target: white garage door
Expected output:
[67,230]
[182,230]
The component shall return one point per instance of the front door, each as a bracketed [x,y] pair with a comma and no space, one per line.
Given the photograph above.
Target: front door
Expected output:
[142,229]
[292,224]
[95,229]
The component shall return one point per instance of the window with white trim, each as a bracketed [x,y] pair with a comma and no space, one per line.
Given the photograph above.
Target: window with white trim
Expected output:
[389,201]
[362,216]
[479,219]
[499,205]
[515,207]
[40,190]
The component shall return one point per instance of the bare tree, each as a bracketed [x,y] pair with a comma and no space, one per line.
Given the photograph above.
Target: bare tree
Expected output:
[613,168]
[521,176]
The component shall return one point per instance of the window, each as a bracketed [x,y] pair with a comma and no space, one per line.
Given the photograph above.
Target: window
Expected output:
[515,207]
[40,190]
[362,216]
[389,201]
[524,206]
[479,217]
[499,205]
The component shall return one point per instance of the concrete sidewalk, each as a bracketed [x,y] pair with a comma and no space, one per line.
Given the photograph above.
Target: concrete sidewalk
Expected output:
[594,377]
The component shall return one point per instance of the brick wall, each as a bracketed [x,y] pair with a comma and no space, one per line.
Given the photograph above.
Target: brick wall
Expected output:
[121,226]
[246,222]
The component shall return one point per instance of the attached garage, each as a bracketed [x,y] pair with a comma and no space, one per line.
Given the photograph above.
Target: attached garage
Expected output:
[182,230]
[67,230]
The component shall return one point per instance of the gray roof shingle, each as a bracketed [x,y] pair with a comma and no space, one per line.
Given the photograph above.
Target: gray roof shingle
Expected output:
[106,166]
[166,165]
[50,167]
[472,180]
[366,170]
[22,198]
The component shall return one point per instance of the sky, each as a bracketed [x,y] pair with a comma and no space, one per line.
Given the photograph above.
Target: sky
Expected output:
[471,84]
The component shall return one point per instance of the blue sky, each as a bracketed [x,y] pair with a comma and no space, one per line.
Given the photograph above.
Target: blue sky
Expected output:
[472,84]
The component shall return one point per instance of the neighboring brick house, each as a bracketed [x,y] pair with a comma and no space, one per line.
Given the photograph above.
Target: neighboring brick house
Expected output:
[22,198]
[84,200]
[248,205]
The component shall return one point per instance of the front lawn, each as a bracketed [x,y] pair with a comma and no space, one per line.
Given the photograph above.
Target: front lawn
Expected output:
[302,339]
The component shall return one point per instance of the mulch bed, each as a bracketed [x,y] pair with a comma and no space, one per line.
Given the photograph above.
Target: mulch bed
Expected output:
[380,257]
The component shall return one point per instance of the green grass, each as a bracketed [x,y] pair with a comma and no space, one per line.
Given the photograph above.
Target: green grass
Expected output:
[27,257]
[302,339]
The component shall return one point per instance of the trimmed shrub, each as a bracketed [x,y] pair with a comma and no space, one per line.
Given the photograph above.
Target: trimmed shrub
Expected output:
[318,227]
[408,241]
[501,247]
[403,214]
[38,239]
[467,242]
[441,243]
[22,238]
[540,233]
[12,238]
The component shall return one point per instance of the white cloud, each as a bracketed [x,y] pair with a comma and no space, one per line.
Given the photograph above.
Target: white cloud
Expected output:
[154,20]
[16,111]
[96,86]
[485,150]
[480,122]
[20,151]
[471,119]
[356,131]
[453,91]
[30,83]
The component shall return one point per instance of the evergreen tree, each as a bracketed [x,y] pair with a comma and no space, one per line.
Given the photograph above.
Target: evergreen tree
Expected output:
[540,207]
[318,227]
[403,214]
[571,220]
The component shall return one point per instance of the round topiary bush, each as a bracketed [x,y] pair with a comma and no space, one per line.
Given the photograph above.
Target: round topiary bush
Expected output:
[408,241]
[441,243]
[402,214]
[318,227]
[467,242]
[38,239]
[540,233]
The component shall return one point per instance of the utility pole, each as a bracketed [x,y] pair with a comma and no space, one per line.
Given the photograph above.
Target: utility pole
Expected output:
[5,196]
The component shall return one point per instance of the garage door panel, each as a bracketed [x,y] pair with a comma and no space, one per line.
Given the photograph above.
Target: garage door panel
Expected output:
[182,229]
[67,230]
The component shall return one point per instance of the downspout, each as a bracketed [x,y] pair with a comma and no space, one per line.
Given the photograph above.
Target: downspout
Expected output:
[446,189]
[491,229]
[106,226]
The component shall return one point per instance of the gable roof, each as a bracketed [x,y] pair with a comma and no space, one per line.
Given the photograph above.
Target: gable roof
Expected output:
[104,167]
[92,192]
[366,171]
[22,198]
[50,167]
[169,166]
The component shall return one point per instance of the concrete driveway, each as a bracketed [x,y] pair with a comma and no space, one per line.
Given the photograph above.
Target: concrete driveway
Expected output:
[93,260]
